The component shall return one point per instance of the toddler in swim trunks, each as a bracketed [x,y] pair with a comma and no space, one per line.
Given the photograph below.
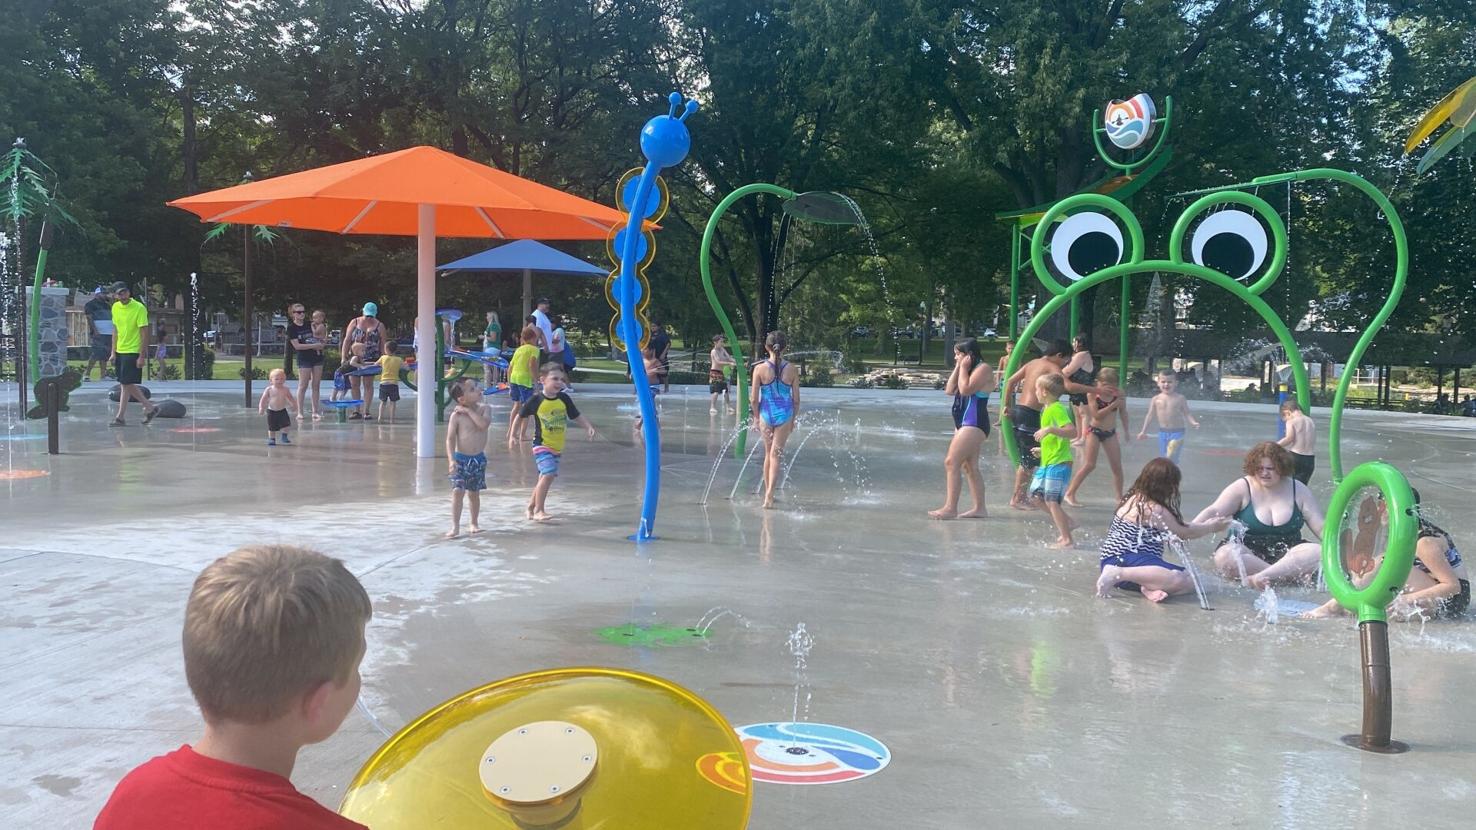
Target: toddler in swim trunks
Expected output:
[466,444]
[1172,411]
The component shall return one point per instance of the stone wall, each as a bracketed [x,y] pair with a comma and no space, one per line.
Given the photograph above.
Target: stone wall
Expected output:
[54,337]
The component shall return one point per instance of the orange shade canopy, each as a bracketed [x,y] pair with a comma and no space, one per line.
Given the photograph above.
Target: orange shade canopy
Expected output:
[381,194]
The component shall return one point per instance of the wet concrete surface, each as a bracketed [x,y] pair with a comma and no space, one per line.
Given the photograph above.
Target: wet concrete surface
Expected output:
[1006,691]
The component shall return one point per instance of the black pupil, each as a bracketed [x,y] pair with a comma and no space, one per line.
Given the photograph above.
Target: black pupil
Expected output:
[1091,252]
[1228,253]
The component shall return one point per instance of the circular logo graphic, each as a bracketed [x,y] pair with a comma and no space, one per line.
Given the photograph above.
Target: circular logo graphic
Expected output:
[1129,124]
[810,753]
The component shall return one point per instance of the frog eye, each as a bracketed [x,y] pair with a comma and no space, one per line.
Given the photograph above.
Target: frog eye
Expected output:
[1231,241]
[1084,244]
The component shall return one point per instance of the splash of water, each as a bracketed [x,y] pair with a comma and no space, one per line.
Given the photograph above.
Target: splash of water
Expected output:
[1236,534]
[722,454]
[799,644]
[1266,606]
[865,227]
[717,613]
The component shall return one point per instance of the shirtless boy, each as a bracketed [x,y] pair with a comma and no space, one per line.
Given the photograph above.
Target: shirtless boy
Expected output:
[1300,439]
[466,444]
[1025,413]
[1172,413]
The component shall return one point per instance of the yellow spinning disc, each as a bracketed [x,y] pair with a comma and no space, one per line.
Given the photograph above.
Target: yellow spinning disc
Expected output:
[579,748]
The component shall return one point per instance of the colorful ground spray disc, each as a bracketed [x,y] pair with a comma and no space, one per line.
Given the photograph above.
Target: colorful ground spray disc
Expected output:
[18,475]
[665,758]
[811,753]
[658,634]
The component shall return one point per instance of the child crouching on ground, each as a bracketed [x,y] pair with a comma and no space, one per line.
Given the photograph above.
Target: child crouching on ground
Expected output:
[276,399]
[1132,553]
[273,637]
[551,409]
[466,444]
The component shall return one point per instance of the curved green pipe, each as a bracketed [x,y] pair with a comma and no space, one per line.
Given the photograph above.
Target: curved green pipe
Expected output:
[1299,371]
[1401,272]
[717,306]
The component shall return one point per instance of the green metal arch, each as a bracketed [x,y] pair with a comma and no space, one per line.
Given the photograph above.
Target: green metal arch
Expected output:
[1299,371]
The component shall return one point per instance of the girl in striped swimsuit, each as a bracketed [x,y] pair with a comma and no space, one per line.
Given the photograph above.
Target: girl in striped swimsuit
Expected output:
[1132,553]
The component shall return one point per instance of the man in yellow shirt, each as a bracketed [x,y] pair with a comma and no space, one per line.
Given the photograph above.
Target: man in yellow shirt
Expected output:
[130,345]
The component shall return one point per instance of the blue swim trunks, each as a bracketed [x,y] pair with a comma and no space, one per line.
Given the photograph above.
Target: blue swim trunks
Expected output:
[547,461]
[1049,482]
[1169,443]
[471,472]
[518,392]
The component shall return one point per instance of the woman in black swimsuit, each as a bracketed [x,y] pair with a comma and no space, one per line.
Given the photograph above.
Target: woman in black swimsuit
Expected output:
[1080,369]
[1273,507]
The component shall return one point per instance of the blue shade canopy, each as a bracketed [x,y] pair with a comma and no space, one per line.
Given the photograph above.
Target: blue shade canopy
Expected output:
[525,255]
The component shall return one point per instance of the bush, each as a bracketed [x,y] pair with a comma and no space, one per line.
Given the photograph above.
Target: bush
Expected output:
[257,373]
[169,371]
[861,382]
[893,382]
[203,367]
[820,377]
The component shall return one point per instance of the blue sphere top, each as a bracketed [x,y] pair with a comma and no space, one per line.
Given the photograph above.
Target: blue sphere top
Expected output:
[665,140]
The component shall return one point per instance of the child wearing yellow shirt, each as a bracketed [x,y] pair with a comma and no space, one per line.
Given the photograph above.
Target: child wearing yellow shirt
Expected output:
[389,379]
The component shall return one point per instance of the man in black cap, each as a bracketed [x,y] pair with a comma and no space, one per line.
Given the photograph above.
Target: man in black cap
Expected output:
[99,314]
[130,344]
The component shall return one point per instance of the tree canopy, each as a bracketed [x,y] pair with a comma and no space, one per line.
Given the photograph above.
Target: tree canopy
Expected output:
[932,115]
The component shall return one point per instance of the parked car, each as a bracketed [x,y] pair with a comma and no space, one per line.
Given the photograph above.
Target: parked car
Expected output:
[861,331]
[990,333]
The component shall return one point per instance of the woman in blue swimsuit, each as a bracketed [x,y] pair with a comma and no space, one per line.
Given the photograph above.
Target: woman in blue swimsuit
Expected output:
[775,396]
[970,384]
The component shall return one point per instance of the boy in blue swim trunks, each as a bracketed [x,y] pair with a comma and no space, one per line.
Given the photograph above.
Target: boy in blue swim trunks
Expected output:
[551,409]
[1048,485]
[466,445]
[1172,411]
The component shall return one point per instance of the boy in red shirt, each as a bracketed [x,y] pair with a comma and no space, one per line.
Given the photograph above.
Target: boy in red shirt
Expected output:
[273,638]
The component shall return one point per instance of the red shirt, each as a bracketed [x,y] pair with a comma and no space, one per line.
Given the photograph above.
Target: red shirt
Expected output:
[184,790]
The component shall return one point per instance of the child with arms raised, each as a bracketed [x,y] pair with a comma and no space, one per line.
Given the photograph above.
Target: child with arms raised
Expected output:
[273,637]
[1132,553]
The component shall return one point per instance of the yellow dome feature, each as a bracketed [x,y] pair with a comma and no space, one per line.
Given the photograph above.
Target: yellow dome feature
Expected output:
[577,748]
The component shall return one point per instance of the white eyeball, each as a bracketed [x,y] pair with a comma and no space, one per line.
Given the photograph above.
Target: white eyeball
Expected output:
[1084,244]
[1233,242]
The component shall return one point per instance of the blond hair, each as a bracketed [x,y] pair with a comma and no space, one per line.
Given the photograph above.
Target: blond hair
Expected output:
[277,373]
[1107,375]
[1054,384]
[266,624]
